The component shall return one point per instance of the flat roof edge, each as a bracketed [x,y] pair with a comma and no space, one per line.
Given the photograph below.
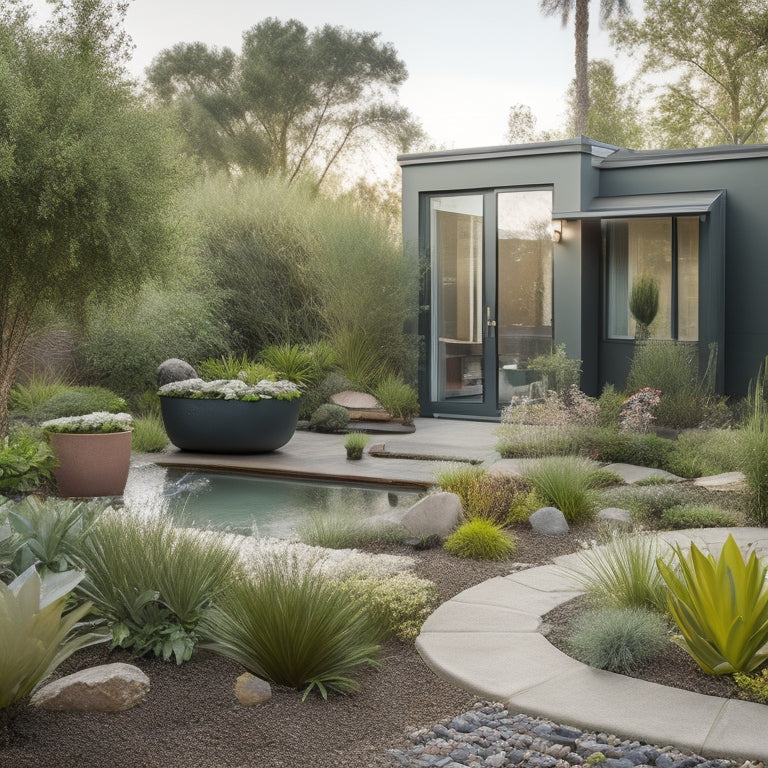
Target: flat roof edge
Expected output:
[630,158]
[579,145]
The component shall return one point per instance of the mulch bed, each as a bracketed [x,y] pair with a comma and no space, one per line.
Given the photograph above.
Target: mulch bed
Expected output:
[191,718]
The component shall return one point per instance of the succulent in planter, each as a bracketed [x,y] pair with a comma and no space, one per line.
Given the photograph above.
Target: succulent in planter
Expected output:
[354,444]
[93,451]
[231,389]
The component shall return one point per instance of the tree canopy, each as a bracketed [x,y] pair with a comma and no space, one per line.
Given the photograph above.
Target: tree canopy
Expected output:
[292,102]
[85,173]
[580,9]
[718,49]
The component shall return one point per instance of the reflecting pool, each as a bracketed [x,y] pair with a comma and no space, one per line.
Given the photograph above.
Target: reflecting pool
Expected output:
[247,503]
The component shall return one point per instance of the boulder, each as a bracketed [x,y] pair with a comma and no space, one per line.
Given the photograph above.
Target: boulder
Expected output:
[251,690]
[361,406]
[106,688]
[438,513]
[174,370]
[615,516]
[549,521]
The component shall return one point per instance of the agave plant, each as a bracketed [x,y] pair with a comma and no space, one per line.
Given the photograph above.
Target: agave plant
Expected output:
[34,635]
[720,607]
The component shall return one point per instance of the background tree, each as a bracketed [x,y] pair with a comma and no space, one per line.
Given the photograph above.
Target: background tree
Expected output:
[614,116]
[563,9]
[292,102]
[85,172]
[719,49]
[522,126]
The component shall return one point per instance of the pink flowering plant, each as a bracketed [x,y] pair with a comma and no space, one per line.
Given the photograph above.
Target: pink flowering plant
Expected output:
[231,389]
[573,407]
[636,413]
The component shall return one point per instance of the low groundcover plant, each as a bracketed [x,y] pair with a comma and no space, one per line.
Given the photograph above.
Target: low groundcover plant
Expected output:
[231,389]
[97,423]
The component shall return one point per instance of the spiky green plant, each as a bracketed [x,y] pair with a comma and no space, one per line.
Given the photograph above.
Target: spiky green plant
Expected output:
[720,607]
[232,367]
[565,482]
[618,639]
[397,398]
[355,443]
[152,582]
[644,303]
[291,362]
[36,633]
[344,529]
[480,539]
[41,387]
[149,434]
[622,572]
[291,625]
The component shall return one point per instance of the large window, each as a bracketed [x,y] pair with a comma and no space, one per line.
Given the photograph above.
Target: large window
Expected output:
[665,249]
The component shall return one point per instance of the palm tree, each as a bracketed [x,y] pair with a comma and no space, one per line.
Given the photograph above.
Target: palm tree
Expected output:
[581,34]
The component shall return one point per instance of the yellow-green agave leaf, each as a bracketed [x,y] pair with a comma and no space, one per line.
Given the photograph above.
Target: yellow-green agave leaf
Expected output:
[720,607]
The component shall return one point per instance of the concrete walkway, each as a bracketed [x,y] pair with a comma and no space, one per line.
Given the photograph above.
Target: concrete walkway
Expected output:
[487,639]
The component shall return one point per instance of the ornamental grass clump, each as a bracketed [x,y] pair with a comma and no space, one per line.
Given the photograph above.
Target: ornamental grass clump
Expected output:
[397,398]
[480,539]
[149,434]
[151,582]
[355,443]
[230,367]
[720,606]
[292,362]
[565,482]
[697,516]
[618,639]
[622,572]
[290,624]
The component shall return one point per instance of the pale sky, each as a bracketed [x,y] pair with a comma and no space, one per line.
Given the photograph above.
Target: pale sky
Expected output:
[467,62]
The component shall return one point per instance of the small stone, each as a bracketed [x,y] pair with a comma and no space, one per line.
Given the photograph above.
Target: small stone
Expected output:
[549,521]
[620,518]
[106,688]
[251,690]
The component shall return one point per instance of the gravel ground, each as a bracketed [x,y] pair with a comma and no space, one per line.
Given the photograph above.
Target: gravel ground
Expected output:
[191,718]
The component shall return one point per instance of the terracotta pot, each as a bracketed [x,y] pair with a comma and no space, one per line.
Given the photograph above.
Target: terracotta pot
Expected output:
[229,426]
[91,465]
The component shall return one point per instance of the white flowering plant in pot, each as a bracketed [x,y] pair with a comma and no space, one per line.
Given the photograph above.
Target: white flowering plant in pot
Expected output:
[231,389]
[96,423]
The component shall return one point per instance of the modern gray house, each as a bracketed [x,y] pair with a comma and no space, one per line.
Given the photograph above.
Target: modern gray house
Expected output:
[525,246]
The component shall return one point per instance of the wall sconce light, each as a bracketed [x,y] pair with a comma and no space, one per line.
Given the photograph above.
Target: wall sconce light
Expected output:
[557,230]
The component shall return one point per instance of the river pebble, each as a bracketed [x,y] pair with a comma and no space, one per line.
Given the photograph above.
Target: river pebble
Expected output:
[488,736]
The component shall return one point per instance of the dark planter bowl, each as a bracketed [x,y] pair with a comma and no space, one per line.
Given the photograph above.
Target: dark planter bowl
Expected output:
[229,426]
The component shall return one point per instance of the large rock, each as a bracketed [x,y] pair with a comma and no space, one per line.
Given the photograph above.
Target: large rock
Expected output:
[106,688]
[616,517]
[251,690]
[549,521]
[438,513]
[174,369]
[361,406]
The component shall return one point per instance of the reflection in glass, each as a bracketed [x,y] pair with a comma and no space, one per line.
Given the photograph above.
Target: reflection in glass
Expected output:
[524,317]
[456,234]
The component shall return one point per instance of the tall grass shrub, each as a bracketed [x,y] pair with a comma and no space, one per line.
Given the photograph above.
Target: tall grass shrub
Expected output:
[565,482]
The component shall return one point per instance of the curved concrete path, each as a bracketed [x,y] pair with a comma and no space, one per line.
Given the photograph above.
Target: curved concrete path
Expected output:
[488,641]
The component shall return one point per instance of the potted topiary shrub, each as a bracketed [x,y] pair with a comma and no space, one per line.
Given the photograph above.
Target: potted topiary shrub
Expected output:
[230,416]
[93,453]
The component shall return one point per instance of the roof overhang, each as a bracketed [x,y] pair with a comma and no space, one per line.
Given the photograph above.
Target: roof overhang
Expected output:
[664,204]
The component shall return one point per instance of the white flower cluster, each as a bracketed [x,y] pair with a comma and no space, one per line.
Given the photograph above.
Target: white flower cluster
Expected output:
[96,422]
[231,389]
[337,564]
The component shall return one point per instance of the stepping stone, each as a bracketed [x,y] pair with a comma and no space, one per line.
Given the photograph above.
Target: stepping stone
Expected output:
[631,473]
[727,481]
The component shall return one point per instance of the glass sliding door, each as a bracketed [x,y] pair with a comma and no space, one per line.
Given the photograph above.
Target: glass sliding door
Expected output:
[524,288]
[491,296]
[456,246]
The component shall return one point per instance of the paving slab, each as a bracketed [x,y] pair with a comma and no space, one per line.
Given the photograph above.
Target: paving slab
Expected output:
[546,578]
[604,701]
[631,474]
[502,592]
[494,665]
[462,617]
[741,729]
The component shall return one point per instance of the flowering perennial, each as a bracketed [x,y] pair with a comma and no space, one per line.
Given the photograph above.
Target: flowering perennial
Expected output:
[637,411]
[99,422]
[231,389]
[572,407]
